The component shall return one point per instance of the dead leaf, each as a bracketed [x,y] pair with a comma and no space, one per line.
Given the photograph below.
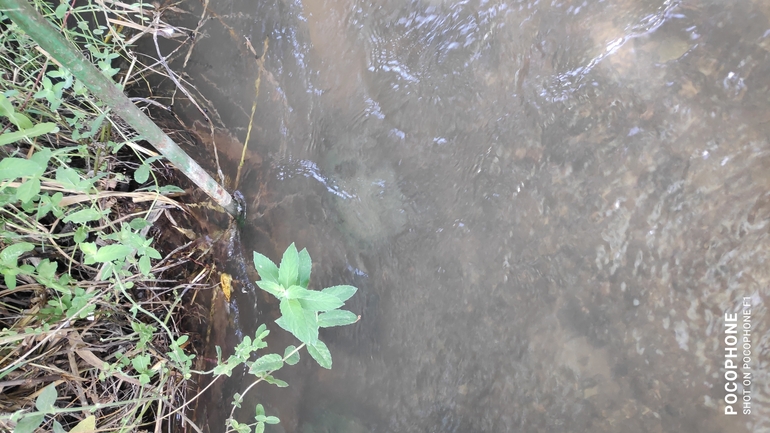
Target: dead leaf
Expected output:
[88,425]
[227,285]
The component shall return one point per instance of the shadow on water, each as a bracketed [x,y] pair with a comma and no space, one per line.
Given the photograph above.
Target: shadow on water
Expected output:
[548,206]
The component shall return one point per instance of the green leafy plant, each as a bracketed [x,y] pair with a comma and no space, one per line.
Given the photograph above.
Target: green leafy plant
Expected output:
[303,312]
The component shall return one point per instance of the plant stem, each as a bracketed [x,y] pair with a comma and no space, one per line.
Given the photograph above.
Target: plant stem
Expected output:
[38,28]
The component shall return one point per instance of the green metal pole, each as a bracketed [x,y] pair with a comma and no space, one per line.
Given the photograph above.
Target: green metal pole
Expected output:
[49,38]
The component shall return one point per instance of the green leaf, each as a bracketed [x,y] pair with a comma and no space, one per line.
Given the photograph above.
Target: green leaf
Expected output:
[268,271]
[343,293]
[225,369]
[112,252]
[80,234]
[46,399]
[39,129]
[13,168]
[83,216]
[46,269]
[272,420]
[144,265]
[296,292]
[29,423]
[305,265]
[274,381]
[169,189]
[138,223]
[42,157]
[68,176]
[300,322]
[28,190]
[260,428]
[288,271]
[9,277]
[336,318]
[266,363]
[89,248]
[320,353]
[6,107]
[260,410]
[11,253]
[142,173]
[57,427]
[319,301]
[61,10]
[238,427]
[273,288]
[152,253]
[294,358]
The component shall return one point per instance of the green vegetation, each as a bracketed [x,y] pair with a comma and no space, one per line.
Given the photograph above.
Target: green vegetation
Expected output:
[303,312]
[90,317]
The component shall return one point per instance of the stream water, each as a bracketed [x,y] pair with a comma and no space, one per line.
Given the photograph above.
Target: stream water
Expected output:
[548,206]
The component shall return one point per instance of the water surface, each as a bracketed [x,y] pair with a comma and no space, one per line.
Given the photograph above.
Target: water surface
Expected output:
[549,206]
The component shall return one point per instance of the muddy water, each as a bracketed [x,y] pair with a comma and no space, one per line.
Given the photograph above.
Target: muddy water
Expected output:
[549,206]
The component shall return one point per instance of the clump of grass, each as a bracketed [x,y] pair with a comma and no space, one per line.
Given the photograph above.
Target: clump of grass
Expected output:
[89,307]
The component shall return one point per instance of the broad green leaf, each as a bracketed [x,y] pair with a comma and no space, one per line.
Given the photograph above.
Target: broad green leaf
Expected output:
[46,269]
[299,321]
[70,178]
[21,121]
[144,265]
[138,223]
[39,129]
[272,420]
[266,363]
[87,425]
[225,369]
[6,107]
[288,271]
[305,265]
[61,10]
[80,234]
[336,318]
[11,253]
[169,189]
[259,428]
[261,332]
[294,358]
[28,190]
[46,399]
[112,252]
[142,174]
[320,353]
[9,277]
[57,427]
[268,271]
[275,381]
[89,248]
[83,216]
[13,168]
[260,410]
[29,423]
[273,288]
[318,301]
[42,157]
[296,292]
[343,293]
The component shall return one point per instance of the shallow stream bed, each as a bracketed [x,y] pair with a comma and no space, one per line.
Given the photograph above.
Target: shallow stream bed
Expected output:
[548,206]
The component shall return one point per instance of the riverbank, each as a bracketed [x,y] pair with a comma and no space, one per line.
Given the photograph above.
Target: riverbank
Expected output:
[100,247]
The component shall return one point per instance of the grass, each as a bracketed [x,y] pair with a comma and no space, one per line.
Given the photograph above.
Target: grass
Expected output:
[91,293]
